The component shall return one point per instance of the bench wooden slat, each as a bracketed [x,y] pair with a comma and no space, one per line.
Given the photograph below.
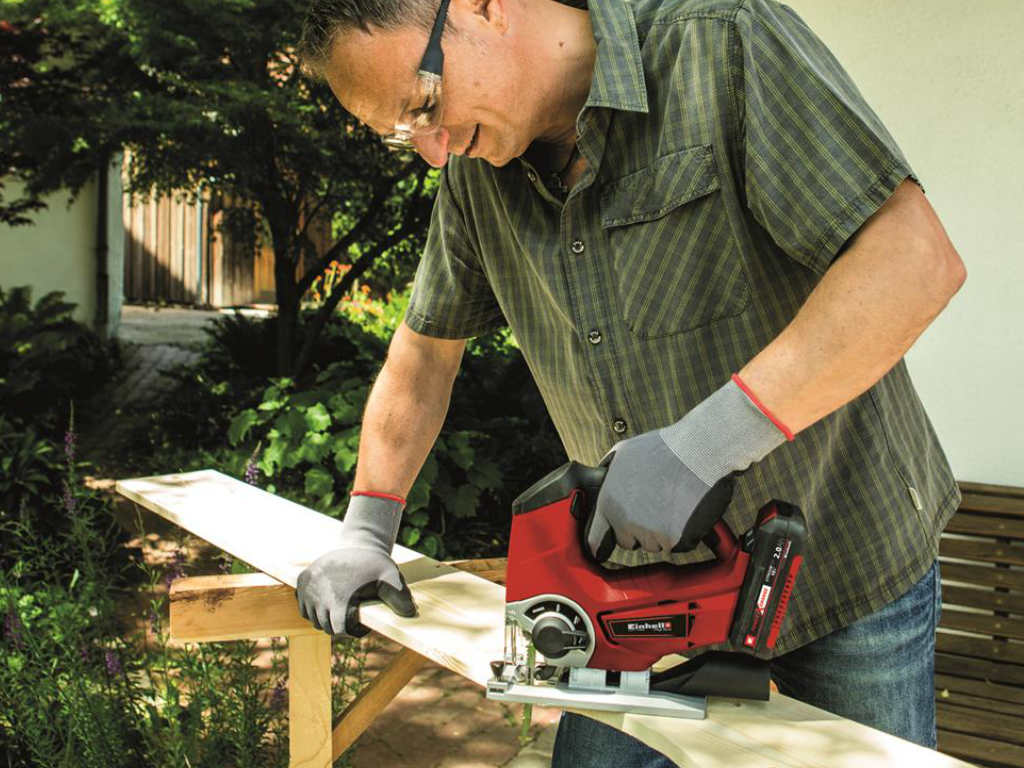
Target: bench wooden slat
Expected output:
[980,702]
[995,505]
[976,748]
[982,575]
[980,647]
[985,550]
[980,669]
[985,599]
[1011,491]
[983,525]
[981,688]
[982,624]
[1007,728]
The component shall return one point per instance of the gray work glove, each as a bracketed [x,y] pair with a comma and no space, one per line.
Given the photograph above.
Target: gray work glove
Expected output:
[331,588]
[665,489]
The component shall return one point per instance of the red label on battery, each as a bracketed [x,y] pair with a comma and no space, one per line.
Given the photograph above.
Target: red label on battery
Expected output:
[762,599]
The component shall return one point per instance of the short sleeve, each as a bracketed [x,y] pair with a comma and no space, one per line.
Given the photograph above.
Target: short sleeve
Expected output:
[451,297]
[818,162]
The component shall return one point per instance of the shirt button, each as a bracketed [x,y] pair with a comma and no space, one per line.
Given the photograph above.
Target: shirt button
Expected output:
[594,337]
[577,246]
[619,426]
[532,177]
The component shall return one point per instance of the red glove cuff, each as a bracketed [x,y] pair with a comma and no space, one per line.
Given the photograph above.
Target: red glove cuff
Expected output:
[753,398]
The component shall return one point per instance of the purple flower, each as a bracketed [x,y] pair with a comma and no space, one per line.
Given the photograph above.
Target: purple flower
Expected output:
[69,446]
[252,472]
[69,499]
[154,621]
[84,652]
[69,438]
[278,697]
[113,662]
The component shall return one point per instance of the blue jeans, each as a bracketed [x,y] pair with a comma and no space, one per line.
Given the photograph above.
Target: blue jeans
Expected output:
[879,671]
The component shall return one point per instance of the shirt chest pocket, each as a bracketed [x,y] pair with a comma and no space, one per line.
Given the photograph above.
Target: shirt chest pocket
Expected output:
[676,265]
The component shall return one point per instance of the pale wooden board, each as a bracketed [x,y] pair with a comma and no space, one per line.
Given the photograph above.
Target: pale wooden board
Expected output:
[460,626]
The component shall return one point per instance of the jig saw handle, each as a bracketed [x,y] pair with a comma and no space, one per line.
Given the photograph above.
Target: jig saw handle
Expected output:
[706,523]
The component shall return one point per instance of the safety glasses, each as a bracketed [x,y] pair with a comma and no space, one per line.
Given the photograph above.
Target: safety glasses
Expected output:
[421,113]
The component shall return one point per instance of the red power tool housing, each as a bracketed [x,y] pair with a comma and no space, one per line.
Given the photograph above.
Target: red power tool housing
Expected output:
[643,613]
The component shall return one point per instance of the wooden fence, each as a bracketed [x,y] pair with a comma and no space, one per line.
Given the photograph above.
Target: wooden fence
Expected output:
[176,252]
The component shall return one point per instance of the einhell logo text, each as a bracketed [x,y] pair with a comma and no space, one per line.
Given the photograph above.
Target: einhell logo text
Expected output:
[649,626]
[655,626]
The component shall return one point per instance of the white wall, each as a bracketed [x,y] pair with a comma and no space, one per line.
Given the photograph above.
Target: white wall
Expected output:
[946,78]
[58,251]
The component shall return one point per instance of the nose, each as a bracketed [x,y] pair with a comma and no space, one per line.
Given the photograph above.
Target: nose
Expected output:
[434,147]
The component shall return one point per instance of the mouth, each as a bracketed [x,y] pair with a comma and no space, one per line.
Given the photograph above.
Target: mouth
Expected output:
[472,142]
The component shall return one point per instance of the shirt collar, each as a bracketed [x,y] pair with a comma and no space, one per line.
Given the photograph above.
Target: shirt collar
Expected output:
[618,80]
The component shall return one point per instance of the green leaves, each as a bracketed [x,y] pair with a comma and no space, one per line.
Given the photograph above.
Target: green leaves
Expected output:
[241,424]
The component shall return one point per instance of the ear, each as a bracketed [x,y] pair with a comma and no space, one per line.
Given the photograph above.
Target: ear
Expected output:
[493,12]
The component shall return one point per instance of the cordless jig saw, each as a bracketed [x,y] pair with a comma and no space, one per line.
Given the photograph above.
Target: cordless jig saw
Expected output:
[600,630]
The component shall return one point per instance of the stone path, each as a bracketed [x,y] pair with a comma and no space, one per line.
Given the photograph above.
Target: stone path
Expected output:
[439,720]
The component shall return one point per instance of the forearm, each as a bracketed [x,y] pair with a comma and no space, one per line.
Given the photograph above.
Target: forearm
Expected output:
[405,412]
[866,312]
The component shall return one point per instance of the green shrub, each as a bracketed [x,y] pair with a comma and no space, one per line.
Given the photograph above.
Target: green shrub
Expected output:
[45,516]
[46,358]
[83,686]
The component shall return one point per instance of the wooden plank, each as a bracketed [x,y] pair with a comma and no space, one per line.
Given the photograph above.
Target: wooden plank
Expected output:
[460,626]
[986,525]
[995,505]
[981,688]
[980,669]
[309,701]
[234,607]
[976,748]
[189,273]
[980,647]
[979,702]
[986,550]
[993,724]
[152,241]
[490,568]
[1012,491]
[984,599]
[982,575]
[373,698]
[982,624]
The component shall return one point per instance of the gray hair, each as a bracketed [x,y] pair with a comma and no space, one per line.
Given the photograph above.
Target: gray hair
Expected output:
[326,19]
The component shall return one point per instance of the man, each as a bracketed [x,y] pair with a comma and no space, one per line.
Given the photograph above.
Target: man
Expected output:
[713,256]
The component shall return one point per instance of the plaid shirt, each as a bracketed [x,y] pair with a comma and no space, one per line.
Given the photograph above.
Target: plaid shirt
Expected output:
[730,158]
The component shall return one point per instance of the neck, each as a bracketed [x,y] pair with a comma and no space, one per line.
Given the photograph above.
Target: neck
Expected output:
[560,47]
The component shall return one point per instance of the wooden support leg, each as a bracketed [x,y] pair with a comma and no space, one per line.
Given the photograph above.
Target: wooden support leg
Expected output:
[373,698]
[309,701]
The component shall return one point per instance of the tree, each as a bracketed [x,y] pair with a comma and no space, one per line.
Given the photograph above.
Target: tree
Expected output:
[207,92]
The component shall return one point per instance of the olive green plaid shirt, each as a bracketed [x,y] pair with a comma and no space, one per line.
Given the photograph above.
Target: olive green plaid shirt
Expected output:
[730,158]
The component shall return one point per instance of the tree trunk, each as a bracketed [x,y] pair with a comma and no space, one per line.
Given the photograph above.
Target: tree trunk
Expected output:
[287,311]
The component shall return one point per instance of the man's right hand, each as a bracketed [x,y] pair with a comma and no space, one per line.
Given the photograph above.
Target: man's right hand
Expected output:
[331,588]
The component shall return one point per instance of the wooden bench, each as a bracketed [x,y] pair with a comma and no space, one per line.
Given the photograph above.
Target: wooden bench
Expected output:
[979,649]
[459,626]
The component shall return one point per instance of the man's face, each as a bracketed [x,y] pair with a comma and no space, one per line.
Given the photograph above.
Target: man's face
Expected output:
[484,112]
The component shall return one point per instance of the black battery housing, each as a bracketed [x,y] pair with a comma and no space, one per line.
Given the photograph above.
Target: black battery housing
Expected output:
[775,544]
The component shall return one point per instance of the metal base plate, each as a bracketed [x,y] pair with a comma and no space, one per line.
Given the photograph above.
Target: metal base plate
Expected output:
[561,695]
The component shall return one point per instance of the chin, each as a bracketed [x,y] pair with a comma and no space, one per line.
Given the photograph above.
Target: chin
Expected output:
[499,162]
